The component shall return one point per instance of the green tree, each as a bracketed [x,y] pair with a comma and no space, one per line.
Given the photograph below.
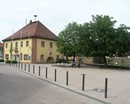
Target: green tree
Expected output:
[103,39]
[85,40]
[103,35]
[68,40]
[122,40]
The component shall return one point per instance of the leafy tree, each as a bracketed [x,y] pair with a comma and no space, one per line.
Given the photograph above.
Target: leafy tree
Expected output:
[85,40]
[98,38]
[105,39]
[122,40]
[68,40]
[103,34]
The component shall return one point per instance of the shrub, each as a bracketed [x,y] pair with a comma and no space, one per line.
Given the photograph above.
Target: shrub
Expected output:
[1,60]
[9,61]
[61,60]
[14,61]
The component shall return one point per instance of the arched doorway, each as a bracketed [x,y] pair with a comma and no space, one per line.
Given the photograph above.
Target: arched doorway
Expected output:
[50,60]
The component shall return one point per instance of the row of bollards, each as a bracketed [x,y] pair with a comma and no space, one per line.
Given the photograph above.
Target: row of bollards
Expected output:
[55,75]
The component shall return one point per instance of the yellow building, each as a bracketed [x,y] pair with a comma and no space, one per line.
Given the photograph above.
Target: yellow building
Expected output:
[34,43]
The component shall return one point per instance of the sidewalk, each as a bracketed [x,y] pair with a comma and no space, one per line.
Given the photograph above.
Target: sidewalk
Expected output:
[118,81]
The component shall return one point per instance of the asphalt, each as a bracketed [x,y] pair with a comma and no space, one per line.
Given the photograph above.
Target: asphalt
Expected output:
[20,85]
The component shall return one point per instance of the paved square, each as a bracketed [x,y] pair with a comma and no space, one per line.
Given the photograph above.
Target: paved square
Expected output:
[118,81]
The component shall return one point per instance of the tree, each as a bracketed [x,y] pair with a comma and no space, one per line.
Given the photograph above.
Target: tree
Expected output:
[97,38]
[68,40]
[122,40]
[103,39]
[85,41]
[103,35]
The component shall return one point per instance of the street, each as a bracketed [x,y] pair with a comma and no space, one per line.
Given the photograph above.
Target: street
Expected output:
[17,87]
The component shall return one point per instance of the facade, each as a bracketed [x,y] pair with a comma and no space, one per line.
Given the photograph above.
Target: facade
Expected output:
[34,43]
[1,50]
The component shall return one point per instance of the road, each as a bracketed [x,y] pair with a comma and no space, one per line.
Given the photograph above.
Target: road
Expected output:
[17,87]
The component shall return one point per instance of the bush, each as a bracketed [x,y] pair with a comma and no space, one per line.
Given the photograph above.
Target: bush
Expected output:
[9,61]
[14,61]
[61,60]
[1,60]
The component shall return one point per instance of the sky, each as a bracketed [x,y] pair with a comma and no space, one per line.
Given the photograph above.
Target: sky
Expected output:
[56,14]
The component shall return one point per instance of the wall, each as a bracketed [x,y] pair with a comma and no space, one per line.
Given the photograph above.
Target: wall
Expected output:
[23,50]
[46,50]
[119,61]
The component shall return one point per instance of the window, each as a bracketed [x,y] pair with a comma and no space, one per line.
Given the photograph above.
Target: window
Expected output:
[16,44]
[27,43]
[25,57]
[6,45]
[21,44]
[51,45]
[42,44]
[21,55]
[11,45]
[42,57]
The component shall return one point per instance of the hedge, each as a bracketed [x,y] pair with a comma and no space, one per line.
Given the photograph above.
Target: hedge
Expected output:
[1,60]
[9,61]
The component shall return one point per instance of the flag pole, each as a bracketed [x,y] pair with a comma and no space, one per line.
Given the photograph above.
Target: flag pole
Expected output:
[11,50]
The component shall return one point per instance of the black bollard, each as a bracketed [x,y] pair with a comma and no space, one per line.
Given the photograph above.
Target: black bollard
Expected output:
[55,75]
[46,72]
[67,77]
[25,67]
[21,65]
[106,87]
[28,67]
[16,65]
[39,70]
[83,82]
[33,69]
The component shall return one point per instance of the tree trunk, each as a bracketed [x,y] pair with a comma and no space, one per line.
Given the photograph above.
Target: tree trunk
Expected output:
[74,57]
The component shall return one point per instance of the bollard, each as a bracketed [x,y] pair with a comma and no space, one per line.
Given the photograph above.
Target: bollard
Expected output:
[106,87]
[21,66]
[16,65]
[39,70]
[33,69]
[83,82]
[25,67]
[55,76]
[67,76]
[46,72]
[28,67]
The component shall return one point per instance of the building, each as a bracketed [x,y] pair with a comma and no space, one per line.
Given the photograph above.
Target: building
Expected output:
[1,50]
[34,43]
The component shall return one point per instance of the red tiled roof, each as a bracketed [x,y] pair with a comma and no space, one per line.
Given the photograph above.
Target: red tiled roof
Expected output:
[33,30]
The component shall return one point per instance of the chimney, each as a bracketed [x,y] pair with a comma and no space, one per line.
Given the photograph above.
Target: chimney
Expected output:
[30,21]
